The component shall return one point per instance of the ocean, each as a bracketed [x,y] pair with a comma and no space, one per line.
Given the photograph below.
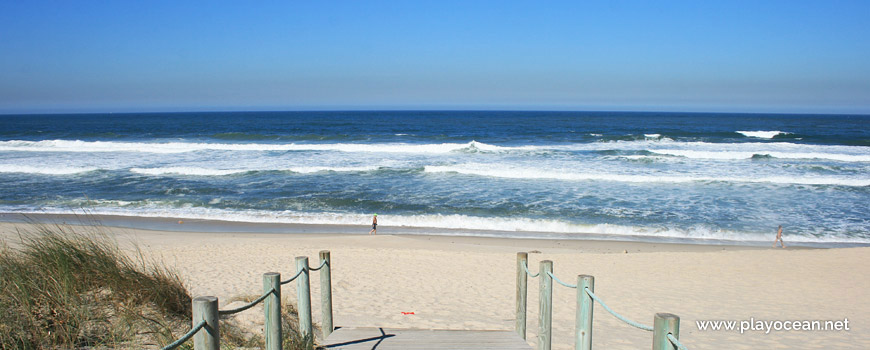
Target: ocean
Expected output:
[694,177]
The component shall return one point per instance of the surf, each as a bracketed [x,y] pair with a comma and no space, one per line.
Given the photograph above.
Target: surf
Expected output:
[79,146]
[466,225]
[45,170]
[521,173]
[763,134]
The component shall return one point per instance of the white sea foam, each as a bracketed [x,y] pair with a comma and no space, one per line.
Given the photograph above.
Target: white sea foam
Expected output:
[513,227]
[726,151]
[109,202]
[762,134]
[316,169]
[735,155]
[187,171]
[194,171]
[663,146]
[640,157]
[182,147]
[45,170]
[569,175]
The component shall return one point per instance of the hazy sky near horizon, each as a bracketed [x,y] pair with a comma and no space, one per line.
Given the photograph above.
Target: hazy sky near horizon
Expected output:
[735,56]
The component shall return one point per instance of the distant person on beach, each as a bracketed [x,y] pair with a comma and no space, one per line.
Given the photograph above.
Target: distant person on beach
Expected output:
[779,237]
[374,225]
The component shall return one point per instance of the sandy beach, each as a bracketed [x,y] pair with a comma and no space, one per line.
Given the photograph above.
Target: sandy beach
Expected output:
[660,147]
[469,283]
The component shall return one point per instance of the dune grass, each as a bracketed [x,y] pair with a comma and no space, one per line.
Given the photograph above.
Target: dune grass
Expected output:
[243,337]
[72,287]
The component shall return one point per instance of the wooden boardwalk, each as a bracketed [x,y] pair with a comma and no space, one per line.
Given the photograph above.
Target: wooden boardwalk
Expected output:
[400,339]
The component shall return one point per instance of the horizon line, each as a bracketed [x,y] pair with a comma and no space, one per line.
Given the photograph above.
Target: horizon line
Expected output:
[333,110]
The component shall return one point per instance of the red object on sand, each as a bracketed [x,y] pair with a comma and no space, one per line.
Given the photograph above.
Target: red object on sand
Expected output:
[407,313]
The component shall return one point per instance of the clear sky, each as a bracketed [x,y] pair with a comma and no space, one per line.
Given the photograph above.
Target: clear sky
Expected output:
[742,56]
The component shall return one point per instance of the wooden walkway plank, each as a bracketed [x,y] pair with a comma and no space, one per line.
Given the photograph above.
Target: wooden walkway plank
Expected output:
[400,339]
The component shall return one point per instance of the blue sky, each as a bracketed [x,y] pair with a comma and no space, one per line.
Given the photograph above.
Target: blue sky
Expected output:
[738,56]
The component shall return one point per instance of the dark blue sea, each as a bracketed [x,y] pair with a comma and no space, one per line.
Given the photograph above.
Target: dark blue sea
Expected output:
[642,176]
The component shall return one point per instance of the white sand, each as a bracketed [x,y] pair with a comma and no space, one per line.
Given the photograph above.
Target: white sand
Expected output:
[469,283]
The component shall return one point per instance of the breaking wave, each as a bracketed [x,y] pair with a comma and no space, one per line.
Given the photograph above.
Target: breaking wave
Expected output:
[47,170]
[182,147]
[535,173]
[763,134]
[479,226]
[661,146]
[186,171]
[736,155]
[193,171]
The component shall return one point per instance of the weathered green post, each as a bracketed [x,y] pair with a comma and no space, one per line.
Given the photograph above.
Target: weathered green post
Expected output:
[272,310]
[326,292]
[522,292]
[209,337]
[583,323]
[662,325]
[545,317]
[303,293]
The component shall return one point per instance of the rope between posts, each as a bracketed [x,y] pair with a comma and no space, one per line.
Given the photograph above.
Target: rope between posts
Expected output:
[618,316]
[560,281]
[319,267]
[250,305]
[676,342]
[185,337]
[527,271]
[292,278]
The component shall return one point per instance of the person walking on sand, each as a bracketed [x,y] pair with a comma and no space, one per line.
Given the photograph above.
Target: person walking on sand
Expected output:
[779,237]
[374,225]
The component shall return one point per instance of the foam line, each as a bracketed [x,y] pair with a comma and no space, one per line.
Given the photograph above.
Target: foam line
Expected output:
[763,134]
[736,155]
[194,171]
[186,171]
[480,226]
[699,150]
[54,170]
[530,173]
[182,147]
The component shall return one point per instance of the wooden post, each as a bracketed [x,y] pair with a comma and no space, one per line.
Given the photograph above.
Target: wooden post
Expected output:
[545,317]
[662,325]
[209,337]
[326,293]
[583,323]
[522,292]
[303,293]
[272,309]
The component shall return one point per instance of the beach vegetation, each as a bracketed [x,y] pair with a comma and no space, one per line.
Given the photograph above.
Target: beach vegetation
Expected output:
[65,286]
[237,335]
[73,287]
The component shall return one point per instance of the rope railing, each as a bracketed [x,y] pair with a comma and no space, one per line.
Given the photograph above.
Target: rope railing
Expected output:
[560,281]
[324,263]
[185,337]
[206,308]
[293,278]
[676,342]
[250,305]
[665,330]
[618,316]
[525,266]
